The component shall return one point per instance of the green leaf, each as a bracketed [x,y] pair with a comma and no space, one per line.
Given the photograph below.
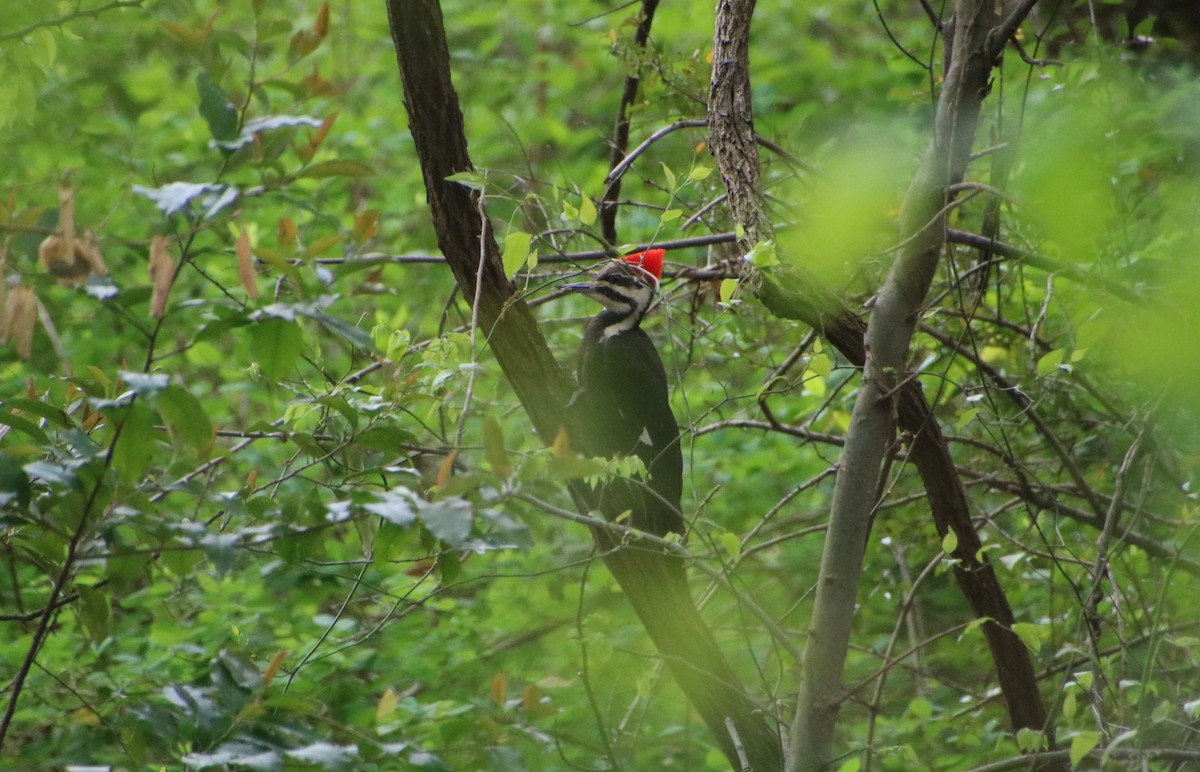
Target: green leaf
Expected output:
[731,544]
[475,179]
[326,755]
[516,251]
[397,506]
[763,255]
[185,419]
[1030,634]
[216,108]
[277,345]
[23,424]
[135,445]
[1082,744]
[1049,362]
[727,288]
[587,210]
[338,167]
[921,708]
[670,175]
[355,336]
[671,214]
[493,447]
[699,173]
[950,542]
[222,549]
[449,520]
[40,409]
[95,611]
[303,43]
[1029,740]
[14,482]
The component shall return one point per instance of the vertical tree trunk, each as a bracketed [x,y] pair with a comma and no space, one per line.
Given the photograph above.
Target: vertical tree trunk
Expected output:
[792,293]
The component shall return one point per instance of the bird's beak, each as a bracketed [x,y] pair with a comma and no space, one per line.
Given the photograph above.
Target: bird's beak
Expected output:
[582,286]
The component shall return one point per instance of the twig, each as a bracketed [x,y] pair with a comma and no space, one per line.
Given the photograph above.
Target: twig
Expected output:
[61,20]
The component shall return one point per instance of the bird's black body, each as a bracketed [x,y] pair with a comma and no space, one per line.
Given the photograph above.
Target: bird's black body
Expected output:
[622,407]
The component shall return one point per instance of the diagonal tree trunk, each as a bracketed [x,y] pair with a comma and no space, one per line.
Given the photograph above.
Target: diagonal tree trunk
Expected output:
[652,581]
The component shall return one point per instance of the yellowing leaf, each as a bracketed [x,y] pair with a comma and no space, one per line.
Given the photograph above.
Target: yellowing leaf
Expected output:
[493,447]
[273,667]
[447,468]
[1082,744]
[245,265]
[587,210]
[321,25]
[731,544]
[726,290]
[516,251]
[337,168]
[386,706]
[287,231]
[366,225]
[499,689]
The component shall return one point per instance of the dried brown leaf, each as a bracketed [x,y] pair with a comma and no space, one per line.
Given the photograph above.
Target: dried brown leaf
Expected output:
[245,264]
[162,275]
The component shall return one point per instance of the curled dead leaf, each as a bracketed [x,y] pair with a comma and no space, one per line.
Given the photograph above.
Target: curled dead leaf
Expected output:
[162,275]
[20,314]
[245,264]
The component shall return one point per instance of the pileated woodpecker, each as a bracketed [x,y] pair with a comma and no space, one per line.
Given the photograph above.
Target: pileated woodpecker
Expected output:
[622,406]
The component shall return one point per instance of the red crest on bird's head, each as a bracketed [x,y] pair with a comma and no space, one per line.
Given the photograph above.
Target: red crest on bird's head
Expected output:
[649,263]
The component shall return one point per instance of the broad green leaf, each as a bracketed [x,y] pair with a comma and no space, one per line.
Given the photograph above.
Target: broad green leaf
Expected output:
[326,755]
[95,610]
[475,179]
[337,168]
[216,108]
[23,424]
[186,421]
[671,214]
[950,542]
[136,443]
[587,210]
[727,289]
[448,519]
[276,346]
[699,173]
[493,447]
[1030,634]
[251,130]
[1029,740]
[1081,745]
[516,251]
[670,176]
[731,544]
[821,364]
[222,549]
[397,506]
[40,409]
[1048,364]
[14,482]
